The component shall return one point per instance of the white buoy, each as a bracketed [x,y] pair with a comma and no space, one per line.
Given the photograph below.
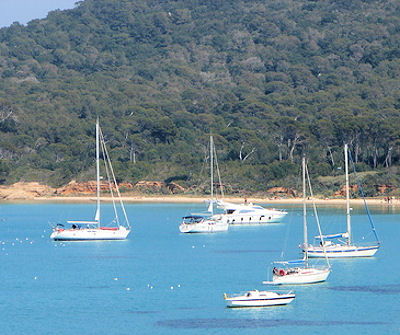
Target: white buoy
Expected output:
[179,285]
[172,287]
[128,289]
[115,278]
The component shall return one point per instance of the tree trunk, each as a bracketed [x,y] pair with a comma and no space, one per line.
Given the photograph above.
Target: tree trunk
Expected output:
[356,152]
[388,158]
[293,146]
[331,156]
[375,156]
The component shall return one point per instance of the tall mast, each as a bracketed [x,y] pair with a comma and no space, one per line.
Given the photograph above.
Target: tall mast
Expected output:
[305,239]
[97,218]
[212,172]
[346,164]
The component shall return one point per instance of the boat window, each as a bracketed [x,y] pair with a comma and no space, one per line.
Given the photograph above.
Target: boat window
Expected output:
[230,211]
[246,211]
[192,219]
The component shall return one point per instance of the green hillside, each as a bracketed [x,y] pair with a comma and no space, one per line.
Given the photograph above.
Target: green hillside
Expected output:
[270,79]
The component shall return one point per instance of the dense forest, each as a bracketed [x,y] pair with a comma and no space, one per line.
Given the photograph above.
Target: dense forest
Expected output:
[271,80]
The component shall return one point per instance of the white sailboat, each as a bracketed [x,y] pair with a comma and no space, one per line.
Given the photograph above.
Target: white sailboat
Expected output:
[301,271]
[93,230]
[206,223]
[340,245]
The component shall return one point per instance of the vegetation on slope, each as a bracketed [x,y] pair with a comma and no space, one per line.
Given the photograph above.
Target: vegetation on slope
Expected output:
[272,80]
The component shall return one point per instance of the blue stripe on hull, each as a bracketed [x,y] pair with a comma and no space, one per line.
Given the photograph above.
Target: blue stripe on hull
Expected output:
[88,239]
[268,299]
[340,251]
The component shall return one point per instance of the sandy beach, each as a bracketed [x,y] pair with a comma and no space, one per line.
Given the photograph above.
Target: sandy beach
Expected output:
[197,199]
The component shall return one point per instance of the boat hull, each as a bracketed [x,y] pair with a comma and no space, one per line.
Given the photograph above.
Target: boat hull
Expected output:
[303,276]
[254,219]
[342,251]
[275,300]
[89,234]
[203,227]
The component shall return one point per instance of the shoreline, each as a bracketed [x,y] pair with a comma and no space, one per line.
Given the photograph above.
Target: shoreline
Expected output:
[198,199]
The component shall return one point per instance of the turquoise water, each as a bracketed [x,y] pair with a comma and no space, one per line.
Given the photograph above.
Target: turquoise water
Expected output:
[163,282]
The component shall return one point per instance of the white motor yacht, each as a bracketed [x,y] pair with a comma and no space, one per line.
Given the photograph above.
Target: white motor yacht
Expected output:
[237,214]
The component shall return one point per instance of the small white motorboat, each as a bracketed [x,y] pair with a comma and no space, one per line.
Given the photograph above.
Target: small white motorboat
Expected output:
[257,298]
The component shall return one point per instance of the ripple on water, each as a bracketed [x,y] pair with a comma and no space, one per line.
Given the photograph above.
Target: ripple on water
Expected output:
[248,251]
[384,289]
[254,323]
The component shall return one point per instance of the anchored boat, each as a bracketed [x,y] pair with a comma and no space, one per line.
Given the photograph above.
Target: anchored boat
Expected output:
[206,223]
[257,298]
[340,245]
[301,271]
[94,230]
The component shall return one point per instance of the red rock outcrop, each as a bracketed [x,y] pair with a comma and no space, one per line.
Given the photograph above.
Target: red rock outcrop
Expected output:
[89,187]
[175,188]
[282,191]
[342,191]
[384,188]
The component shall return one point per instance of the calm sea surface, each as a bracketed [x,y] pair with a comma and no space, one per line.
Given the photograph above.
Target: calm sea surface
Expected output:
[163,282]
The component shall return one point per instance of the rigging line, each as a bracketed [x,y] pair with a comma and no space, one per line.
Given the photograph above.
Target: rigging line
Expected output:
[106,165]
[289,225]
[285,241]
[116,187]
[221,187]
[317,217]
[198,180]
[363,196]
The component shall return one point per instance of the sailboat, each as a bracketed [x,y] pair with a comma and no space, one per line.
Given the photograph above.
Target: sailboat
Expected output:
[301,271]
[341,245]
[93,230]
[209,223]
